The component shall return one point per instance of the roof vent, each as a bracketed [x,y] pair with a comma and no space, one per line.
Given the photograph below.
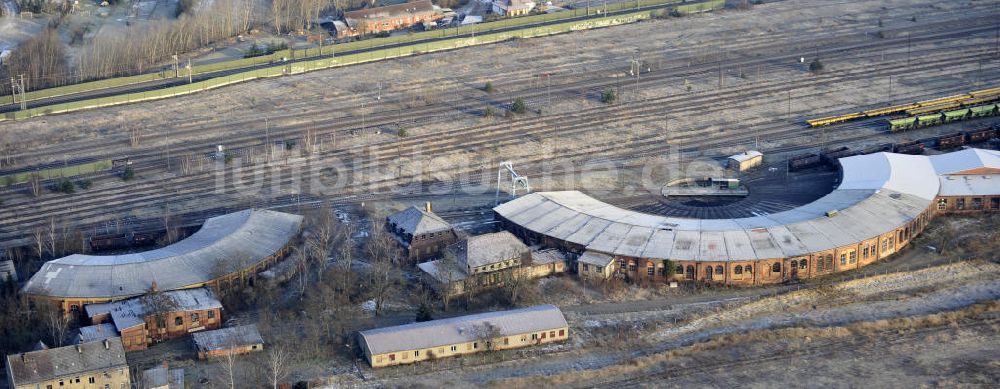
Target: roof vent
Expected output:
[79,349]
[106,345]
[832,213]
[895,196]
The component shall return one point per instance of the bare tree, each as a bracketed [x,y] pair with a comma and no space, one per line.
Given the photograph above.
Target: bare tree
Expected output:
[487,333]
[276,363]
[448,270]
[159,305]
[35,184]
[57,325]
[382,281]
[513,282]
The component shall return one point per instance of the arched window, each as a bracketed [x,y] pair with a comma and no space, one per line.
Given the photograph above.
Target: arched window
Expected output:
[748,269]
[680,269]
[803,264]
[690,272]
[738,269]
[795,264]
[776,267]
[719,270]
[708,272]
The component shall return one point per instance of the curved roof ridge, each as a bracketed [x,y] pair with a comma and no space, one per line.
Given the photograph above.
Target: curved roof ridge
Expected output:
[877,194]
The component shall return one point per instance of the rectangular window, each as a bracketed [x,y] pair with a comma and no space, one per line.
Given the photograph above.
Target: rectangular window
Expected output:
[622,261]
[885,246]
[454,348]
[586,268]
[475,345]
[211,314]
[416,353]
[562,332]
[977,203]
[843,259]
[942,204]
[392,357]
[534,336]
[194,317]
[864,254]
[91,379]
[543,335]
[995,203]
[650,270]
[598,269]
[853,256]
[631,267]
[506,341]
[959,203]
[552,334]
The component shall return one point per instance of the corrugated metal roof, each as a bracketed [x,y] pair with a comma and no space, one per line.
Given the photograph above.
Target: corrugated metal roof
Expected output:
[878,193]
[595,258]
[456,330]
[223,245]
[970,185]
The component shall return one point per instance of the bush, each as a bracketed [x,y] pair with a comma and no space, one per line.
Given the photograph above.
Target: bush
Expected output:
[63,186]
[289,144]
[489,112]
[518,106]
[488,88]
[84,184]
[128,173]
[816,66]
[401,133]
[424,313]
[228,158]
[609,96]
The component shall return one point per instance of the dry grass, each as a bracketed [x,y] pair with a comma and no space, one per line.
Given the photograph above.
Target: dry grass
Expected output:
[803,335]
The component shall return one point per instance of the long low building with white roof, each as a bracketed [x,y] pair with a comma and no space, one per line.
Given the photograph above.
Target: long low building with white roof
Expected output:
[883,201]
[461,335]
[227,250]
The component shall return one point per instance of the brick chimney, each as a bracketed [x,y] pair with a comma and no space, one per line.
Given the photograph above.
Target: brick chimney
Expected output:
[427,207]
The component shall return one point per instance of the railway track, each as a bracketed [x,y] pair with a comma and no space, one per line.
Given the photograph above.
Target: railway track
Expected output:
[810,350]
[352,123]
[385,155]
[77,204]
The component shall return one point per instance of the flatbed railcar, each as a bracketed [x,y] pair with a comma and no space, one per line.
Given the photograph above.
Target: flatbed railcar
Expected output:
[885,147]
[982,135]
[912,148]
[951,141]
[830,157]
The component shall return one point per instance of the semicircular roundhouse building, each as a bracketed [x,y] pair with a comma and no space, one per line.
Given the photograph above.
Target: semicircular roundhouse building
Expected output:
[883,201]
[227,249]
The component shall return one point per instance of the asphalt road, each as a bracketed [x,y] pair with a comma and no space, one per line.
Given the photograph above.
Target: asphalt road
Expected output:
[169,82]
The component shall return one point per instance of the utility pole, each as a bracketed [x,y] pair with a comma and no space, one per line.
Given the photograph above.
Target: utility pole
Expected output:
[189,71]
[908,36]
[890,89]
[789,112]
[177,71]
[267,139]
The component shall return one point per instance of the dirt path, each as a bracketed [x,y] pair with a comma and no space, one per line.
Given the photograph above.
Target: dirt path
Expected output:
[869,300]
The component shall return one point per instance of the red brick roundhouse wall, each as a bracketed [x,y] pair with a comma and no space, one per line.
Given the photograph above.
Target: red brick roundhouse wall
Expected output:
[774,270]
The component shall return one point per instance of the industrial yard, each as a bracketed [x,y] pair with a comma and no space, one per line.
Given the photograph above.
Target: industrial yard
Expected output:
[408,216]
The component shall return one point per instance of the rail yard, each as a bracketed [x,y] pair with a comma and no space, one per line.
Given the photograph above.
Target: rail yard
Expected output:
[612,115]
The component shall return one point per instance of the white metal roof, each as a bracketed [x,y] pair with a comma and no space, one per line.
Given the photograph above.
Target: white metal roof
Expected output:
[461,329]
[746,156]
[878,193]
[223,245]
